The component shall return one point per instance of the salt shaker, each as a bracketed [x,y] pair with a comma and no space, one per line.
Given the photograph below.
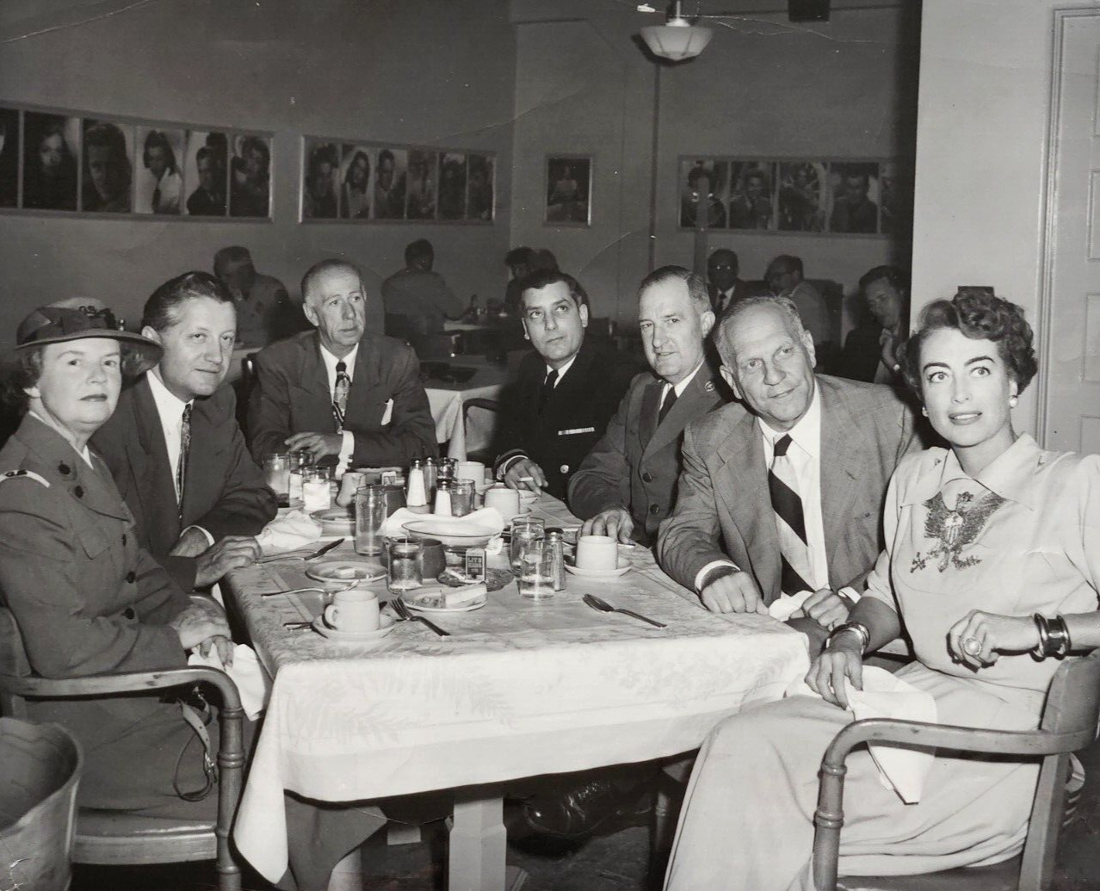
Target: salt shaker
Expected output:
[555,540]
[443,499]
[416,498]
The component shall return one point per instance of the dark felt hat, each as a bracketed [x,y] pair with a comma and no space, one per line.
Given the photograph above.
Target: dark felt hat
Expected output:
[58,324]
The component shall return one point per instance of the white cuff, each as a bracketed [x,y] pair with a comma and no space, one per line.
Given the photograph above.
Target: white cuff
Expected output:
[508,462]
[209,537]
[851,593]
[343,460]
[701,574]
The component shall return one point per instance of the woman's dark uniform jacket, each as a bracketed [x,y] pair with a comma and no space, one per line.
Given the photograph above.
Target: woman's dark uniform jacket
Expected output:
[89,600]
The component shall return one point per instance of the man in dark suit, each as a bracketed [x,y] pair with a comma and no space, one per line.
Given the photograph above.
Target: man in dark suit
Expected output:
[197,519]
[723,284]
[627,484]
[565,392]
[336,392]
[784,492]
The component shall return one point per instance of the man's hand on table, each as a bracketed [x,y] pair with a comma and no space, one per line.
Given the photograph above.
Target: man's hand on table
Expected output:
[319,445]
[827,608]
[615,522]
[191,543]
[735,592]
[232,552]
[203,624]
[525,474]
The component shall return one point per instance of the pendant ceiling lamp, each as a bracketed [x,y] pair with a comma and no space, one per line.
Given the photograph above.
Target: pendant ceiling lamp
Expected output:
[678,39]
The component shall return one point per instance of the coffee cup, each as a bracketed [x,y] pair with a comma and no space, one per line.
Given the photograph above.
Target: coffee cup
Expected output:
[503,499]
[355,610]
[599,553]
[471,470]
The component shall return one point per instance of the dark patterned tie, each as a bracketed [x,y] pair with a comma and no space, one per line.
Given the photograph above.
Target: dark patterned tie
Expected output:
[156,200]
[547,389]
[185,449]
[789,521]
[666,406]
[340,395]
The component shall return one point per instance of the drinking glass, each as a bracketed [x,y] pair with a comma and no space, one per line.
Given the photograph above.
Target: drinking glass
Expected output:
[316,493]
[404,571]
[277,474]
[524,530]
[297,461]
[535,578]
[462,497]
[370,516]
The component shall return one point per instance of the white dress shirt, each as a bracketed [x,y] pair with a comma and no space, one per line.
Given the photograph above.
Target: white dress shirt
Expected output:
[347,444]
[561,371]
[680,387]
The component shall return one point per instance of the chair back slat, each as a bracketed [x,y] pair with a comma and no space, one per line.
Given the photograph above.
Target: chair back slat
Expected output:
[13,664]
[1073,700]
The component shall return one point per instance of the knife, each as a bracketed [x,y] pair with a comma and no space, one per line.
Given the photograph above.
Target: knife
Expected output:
[325,549]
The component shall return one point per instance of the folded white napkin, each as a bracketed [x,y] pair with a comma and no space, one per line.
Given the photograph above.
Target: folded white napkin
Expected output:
[785,607]
[292,530]
[885,695]
[251,680]
[489,517]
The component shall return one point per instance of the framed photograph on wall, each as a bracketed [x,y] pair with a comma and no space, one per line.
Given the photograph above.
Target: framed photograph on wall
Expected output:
[9,157]
[854,195]
[802,196]
[752,195]
[452,186]
[158,171]
[896,200]
[107,184]
[51,150]
[568,190]
[389,184]
[695,173]
[206,173]
[480,189]
[320,179]
[250,176]
[356,164]
[420,184]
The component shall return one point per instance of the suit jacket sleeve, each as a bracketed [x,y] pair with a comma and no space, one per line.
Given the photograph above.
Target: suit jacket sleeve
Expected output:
[47,578]
[246,503]
[268,407]
[411,431]
[603,479]
[689,538]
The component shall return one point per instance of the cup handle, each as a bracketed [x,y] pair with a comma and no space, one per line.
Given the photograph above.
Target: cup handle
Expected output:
[330,615]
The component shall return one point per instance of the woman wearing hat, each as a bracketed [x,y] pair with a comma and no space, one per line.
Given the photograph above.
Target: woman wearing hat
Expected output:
[86,598]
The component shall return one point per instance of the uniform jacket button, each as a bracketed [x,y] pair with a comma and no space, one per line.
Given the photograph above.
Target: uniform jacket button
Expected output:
[78,491]
[124,539]
[655,509]
[647,477]
[64,469]
[129,613]
[131,577]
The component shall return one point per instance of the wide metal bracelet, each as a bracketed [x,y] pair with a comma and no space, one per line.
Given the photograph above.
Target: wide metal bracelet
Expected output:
[858,627]
[1042,650]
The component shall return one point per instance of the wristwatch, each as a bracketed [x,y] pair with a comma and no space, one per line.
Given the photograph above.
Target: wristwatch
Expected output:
[854,627]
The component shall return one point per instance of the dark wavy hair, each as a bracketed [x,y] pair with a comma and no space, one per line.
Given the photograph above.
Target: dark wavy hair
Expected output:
[980,316]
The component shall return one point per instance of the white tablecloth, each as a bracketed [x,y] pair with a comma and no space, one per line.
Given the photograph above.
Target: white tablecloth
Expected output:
[447,400]
[520,689]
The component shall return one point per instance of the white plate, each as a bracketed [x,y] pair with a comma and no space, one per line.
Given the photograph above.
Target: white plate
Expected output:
[597,573]
[345,571]
[465,608]
[335,521]
[451,531]
[385,627]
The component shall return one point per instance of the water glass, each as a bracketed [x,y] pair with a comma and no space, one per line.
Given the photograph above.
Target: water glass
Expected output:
[535,578]
[277,475]
[404,572]
[524,531]
[297,461]
[462,497]
[316,492]
[370,516]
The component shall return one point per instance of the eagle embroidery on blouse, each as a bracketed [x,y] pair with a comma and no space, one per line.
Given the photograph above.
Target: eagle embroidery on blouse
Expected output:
[954,529]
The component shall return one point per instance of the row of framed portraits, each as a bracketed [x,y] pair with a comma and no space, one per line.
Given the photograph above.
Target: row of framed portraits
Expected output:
[75,163]
[850,197]
[372,181]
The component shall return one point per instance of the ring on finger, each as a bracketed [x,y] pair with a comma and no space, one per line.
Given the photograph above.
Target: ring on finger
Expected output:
[972,646]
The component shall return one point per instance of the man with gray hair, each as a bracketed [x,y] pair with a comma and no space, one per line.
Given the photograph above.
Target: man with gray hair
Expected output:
[626,485]
[783,491]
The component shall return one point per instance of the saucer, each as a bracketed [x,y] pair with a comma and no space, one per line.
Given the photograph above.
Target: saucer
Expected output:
[464,608]
[346,571]
[386,625]
[335,521]
[597,573]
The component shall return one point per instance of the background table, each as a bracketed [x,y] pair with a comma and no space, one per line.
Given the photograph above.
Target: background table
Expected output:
[447,401]
[520,689]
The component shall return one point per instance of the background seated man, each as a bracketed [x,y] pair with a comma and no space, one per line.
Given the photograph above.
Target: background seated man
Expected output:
[417,300]
[337,392]
[870,350]
[724,286]
[565,392]
[783,491]
[626,485]
[264,310]
[173,444]
[784,276]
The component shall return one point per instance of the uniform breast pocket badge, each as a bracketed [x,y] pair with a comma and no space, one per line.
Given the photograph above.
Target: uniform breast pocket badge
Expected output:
[576,431]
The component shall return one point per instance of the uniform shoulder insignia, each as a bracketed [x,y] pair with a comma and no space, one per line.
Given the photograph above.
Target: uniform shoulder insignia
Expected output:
[29,474]
[709,386]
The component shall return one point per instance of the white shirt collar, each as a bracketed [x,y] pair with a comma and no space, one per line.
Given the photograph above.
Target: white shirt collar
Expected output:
[806,433]
[684,384]
[330,364]
[562,370]
[168,404]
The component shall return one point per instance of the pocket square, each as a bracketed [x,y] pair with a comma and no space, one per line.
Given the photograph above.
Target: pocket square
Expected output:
[387,413]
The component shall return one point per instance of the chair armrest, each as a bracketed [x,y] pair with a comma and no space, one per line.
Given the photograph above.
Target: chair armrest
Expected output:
[107,684]
[480,402]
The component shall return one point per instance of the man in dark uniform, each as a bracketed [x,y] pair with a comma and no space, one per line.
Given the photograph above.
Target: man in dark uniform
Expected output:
[566,391]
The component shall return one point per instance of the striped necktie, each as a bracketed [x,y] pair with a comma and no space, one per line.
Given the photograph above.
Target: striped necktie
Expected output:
[789,520]
[185,449]
[666,406]
[340,395]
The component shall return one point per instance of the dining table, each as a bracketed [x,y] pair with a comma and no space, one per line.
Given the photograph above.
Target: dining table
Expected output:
[447,399]
[518,688]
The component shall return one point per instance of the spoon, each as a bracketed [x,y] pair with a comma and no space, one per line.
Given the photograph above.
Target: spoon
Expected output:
[604,607]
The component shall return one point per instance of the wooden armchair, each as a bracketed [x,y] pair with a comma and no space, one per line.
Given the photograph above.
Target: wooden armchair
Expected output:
[115,838]
[1069,724]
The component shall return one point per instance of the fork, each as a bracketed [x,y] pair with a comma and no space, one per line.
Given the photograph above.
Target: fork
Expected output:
[331,591]
[604,607]
[407,615]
